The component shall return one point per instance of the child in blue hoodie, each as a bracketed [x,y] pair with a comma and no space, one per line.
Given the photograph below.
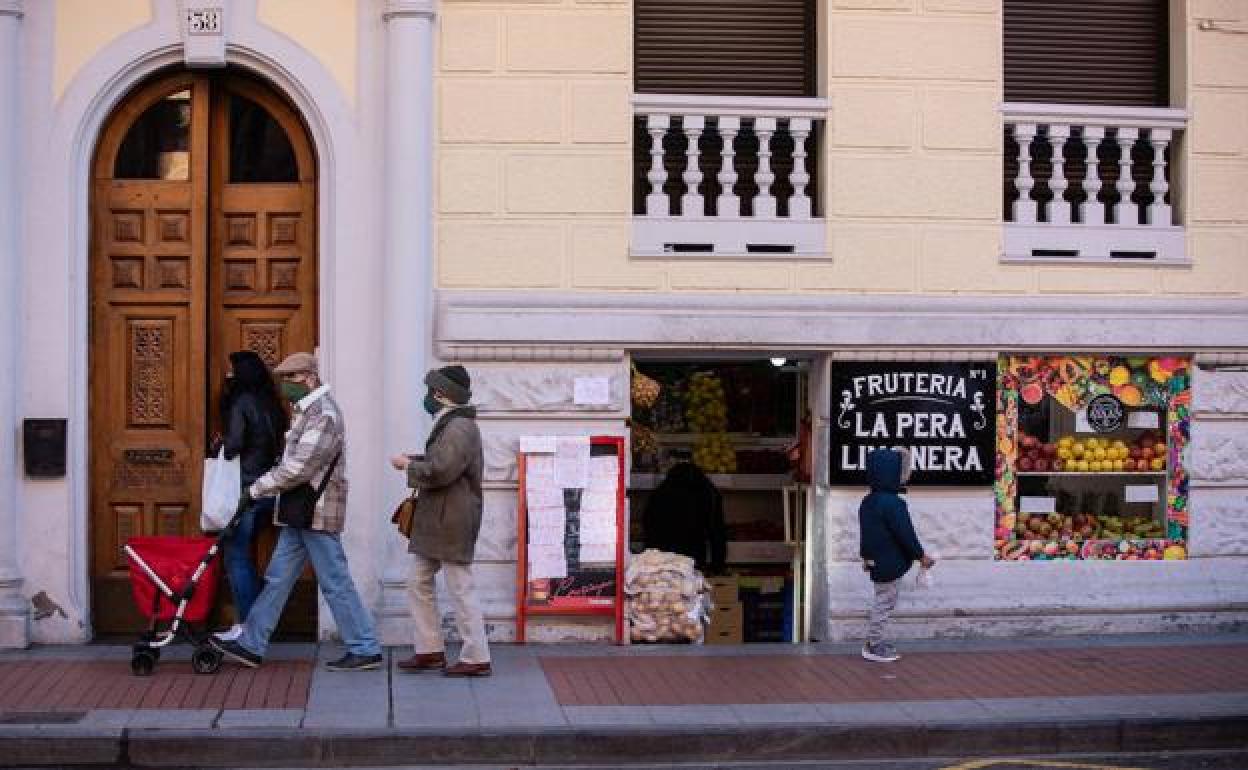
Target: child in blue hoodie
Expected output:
[887,543]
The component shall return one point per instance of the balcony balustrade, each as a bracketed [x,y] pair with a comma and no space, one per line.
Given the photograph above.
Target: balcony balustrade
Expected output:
[1120,208]
[726,176]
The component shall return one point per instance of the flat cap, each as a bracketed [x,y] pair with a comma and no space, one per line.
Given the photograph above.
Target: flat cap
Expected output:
[297,363]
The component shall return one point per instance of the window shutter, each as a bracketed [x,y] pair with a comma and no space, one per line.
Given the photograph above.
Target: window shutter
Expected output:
[1111,52]
[725,47]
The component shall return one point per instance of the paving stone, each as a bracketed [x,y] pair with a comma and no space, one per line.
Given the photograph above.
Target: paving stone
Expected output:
[174,719]
[863,713]
[608,715]
[694,715]
[947,711]
[778,713]
[259,718]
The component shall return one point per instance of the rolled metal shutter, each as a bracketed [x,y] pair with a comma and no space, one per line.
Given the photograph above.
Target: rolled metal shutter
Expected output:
[728,47]
[1113,52]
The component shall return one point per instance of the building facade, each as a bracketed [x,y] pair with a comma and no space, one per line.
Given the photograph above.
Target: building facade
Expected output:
[534,189]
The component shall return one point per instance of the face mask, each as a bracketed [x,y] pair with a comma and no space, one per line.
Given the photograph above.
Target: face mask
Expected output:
[294,391]
[432,404]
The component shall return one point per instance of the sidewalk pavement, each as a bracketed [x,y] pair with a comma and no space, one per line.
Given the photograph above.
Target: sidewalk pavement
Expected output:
[646,704]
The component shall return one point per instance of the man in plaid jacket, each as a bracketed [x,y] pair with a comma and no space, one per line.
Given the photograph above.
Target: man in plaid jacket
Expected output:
[317,436]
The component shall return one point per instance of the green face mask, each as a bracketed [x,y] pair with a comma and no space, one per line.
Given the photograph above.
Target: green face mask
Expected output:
[432,405]
[294,391]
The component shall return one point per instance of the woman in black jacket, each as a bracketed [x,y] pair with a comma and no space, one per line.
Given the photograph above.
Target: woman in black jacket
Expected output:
[255,424]
[685,515]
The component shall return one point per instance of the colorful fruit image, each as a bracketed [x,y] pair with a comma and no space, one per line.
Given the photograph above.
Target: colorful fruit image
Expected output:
[1175,552]
[1129,395]
[1031,393]
[1119,375]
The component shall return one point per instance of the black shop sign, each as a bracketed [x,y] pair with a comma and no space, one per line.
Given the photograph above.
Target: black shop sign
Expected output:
[944,412]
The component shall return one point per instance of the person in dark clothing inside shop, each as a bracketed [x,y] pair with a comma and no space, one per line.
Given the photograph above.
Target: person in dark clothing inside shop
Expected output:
[888,544]
[685,515]
[255,424]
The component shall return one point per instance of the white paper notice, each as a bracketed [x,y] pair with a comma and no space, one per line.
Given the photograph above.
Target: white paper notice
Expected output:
[542,496]
[541,465]
[1037,504]
[597,535]
[572,462]
[1140,493]
[591,391]
[537,444]
[547,561]
[1144,420]
[545,536]
[546,516]
[598,501]
[604,467]
[1081,422]
[597,552]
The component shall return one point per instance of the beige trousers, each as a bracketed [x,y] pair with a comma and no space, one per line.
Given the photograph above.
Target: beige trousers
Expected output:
[422,600]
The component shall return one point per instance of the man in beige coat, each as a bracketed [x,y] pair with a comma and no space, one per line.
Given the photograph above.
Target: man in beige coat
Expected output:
[445,526]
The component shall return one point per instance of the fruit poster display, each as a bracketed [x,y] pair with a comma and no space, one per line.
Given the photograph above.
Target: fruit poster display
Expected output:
[1090,459]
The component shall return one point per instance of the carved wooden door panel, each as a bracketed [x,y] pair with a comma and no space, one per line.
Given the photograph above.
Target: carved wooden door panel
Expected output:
[147,325]
[202,242]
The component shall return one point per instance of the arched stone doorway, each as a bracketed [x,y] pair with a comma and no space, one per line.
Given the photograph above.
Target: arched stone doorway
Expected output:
[203,241]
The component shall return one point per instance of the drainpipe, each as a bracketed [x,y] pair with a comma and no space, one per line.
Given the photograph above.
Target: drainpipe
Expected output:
[14,616]
[408,228]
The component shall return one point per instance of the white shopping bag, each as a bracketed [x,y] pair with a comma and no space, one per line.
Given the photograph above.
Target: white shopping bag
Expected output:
[221,490]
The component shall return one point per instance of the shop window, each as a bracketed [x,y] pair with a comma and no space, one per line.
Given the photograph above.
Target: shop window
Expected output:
[1090,457]
[157,146]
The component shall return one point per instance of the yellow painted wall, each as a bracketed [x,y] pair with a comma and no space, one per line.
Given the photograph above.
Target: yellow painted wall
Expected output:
[534,160]
[83,27]
[326,28]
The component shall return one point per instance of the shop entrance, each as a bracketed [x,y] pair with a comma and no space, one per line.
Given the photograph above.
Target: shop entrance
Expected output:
[203,241]
[744,424]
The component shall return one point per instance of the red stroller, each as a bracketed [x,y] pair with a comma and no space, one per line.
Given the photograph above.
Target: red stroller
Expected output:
[174,581]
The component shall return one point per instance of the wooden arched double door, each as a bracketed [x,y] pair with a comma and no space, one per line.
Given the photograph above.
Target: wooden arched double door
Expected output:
[203,241]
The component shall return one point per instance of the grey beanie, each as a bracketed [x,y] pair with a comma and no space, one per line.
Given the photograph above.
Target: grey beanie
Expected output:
[452,381]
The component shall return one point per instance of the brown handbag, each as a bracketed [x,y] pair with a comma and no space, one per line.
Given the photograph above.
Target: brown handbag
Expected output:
[403,515]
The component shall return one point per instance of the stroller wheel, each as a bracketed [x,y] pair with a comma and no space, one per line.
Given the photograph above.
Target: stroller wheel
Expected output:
[205,659]
[142,663]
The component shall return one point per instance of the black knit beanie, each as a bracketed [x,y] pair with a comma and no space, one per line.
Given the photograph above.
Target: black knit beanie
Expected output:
[453,381]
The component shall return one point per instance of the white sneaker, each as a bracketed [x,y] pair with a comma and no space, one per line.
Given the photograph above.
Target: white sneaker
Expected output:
[230,635]
[880,653]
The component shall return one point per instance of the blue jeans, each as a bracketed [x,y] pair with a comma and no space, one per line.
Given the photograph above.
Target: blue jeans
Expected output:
[295,547]
[240,568]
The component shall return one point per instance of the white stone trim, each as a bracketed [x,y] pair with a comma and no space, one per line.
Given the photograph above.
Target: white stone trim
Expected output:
[743,106]
[58,213]
[744,322]
[1095,115]
[427,9]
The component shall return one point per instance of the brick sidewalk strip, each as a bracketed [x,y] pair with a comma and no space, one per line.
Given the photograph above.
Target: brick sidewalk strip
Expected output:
[831,678]
[77,685]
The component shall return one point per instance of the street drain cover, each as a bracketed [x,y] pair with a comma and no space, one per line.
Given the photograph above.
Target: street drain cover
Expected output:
[41,717]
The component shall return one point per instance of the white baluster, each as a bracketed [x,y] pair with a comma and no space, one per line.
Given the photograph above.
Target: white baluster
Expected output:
[1126,212]
[764,202]
[728,204]
[1093,211]
[1024,208]
[799,203]
[657,204]
[692,204]
[1159,212]
[1059,208]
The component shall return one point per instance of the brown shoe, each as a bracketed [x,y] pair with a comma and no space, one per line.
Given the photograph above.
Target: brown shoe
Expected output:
[424,661]
[468,669]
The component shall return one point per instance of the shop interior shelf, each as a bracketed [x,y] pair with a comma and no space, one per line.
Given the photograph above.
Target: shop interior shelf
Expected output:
[739,481]
[1091,473]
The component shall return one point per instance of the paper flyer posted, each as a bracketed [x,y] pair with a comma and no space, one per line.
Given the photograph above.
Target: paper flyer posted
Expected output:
[1037,504]
[546,516]
[537,444]
[547,561]
[1145,420]
[591,391]
[598,519]
[543,496]
[596,501]
[541,465]
[597,552]
[572,462]
[604,467]
[597,536]
[545,536]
